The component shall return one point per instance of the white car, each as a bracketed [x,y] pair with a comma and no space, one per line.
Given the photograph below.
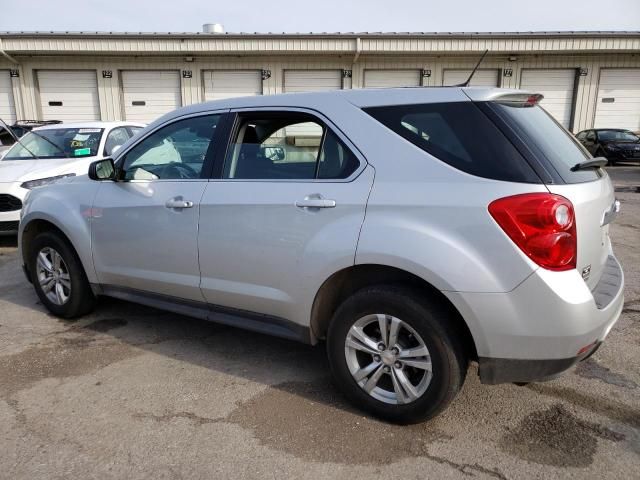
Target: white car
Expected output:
[50,153]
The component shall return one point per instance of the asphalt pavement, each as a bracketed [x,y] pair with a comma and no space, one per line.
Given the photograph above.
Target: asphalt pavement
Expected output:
[132,392]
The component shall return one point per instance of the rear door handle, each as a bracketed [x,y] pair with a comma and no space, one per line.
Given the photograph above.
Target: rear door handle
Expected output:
[315,202]
[179,203]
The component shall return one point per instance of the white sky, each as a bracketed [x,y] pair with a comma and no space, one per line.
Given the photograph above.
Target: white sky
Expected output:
[320,15]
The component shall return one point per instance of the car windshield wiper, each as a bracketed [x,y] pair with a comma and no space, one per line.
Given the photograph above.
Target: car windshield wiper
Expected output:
[17,139]
[58,147]
[590,163]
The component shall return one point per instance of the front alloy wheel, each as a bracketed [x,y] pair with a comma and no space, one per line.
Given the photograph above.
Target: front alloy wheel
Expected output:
[58,277]
[53,276]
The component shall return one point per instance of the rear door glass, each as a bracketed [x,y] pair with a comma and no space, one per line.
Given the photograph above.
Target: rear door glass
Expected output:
[459,134]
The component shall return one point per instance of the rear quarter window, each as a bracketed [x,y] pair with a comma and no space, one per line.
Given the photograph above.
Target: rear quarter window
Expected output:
[459,134]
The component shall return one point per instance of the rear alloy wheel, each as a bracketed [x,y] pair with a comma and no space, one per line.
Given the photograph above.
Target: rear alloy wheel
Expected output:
[388,359]
[393,352]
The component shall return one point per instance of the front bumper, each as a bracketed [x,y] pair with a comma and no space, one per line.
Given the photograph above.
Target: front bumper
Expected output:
[9,220]
[543,327]
[621,156]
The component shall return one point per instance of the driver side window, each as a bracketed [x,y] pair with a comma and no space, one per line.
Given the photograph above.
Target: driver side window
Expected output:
[175,152]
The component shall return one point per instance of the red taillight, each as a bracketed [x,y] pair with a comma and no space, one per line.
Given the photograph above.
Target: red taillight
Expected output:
[543,226]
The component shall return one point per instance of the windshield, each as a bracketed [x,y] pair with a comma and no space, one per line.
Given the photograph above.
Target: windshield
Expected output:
[617,136]
[57,143]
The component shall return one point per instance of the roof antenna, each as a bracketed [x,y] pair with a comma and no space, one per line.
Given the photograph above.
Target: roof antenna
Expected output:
[466,84]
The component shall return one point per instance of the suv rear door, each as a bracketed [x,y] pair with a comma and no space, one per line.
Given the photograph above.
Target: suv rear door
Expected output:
[281,214]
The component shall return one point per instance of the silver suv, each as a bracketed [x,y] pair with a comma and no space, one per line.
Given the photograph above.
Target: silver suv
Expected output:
[414,230]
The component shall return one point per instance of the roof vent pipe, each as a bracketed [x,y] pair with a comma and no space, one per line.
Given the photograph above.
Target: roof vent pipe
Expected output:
[213,28]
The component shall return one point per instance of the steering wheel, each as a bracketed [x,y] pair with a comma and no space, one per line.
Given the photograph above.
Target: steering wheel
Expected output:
[178,170]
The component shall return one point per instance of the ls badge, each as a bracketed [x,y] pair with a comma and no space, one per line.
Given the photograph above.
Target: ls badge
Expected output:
[586,271]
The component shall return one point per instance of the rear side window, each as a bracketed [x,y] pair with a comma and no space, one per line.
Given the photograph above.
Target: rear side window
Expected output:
[287,146]
[549,142]
[460,135]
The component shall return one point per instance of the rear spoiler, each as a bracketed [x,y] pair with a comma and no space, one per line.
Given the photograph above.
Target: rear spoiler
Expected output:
[510,96]
[519,99]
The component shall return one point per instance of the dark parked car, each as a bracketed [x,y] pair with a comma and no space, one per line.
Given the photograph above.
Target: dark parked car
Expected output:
[611,143]
[6,140]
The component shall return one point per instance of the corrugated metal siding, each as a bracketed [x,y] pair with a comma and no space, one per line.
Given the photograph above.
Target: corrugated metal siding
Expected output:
[192,90]
[370,44]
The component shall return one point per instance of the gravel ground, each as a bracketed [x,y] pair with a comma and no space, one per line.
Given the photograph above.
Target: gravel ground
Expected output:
[132,392]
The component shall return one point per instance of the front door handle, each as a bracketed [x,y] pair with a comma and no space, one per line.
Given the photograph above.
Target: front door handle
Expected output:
[178,202]
[315,201]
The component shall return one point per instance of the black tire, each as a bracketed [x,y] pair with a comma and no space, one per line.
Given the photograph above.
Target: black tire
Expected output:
[80,299]
[431,321]
[600,153]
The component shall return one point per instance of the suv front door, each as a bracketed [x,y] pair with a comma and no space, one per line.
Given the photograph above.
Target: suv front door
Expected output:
[284,213]
[145,226]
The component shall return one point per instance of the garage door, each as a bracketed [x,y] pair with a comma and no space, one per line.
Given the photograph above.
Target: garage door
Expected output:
[482,77]
[7,105]
[219,84]
[557,87]
[150,94]
[312,80]
[69,95]
[391,78]
[619,99]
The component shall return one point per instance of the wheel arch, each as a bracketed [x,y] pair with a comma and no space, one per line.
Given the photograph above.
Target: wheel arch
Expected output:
[35,226]
[347,281]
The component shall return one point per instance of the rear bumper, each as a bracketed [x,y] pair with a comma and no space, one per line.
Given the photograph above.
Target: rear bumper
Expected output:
[508,370]
[543,327]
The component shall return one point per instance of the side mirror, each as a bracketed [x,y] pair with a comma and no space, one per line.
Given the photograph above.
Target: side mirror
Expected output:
[101,170]
[273,153]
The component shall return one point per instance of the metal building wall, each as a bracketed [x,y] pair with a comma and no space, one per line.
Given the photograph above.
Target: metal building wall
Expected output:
[338,54]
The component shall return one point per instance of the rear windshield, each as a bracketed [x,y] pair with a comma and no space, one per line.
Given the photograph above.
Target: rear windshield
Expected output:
[549,142]
[459,134]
